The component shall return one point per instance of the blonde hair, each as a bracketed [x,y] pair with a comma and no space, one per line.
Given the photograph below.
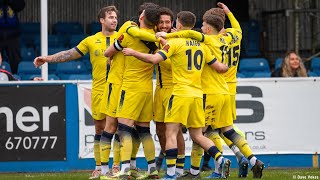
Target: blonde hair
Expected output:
[287,70]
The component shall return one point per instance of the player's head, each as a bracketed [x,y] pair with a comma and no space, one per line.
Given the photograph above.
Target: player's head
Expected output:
[150,16]
[212,23]
[166,20]
[219,12]
[185,20]
[145,5]
[108,17]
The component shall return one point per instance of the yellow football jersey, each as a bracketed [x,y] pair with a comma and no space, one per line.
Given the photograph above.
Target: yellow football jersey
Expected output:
[138,74]
[215,42]
[95,45]
[118,64]
[164,73]
[187,60]
[232,52]
[212,81]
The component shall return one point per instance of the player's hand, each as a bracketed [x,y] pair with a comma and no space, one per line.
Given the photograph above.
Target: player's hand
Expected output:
[163,41]
[161,34]
[128,51]
[224,7]
[173,30]
[38,61]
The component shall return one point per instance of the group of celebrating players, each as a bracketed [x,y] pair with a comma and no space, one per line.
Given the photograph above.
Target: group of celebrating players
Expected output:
[196,88]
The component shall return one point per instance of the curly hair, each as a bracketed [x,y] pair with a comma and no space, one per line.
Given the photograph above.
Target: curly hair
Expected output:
[287,71]
[166,11]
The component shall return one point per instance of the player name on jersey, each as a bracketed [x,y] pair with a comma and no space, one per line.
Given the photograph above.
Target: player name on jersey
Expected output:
[192,43]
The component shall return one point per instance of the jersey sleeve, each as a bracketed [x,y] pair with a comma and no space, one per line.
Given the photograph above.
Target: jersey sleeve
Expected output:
[122,42]
[167,50]
[234,23]
[83,47]
[187,34]
[208,55]
[142,35]
[132,29]
[125,26]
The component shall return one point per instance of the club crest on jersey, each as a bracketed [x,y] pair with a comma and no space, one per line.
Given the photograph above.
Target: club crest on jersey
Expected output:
[166,48]
[96,53]
[121,38]
[222,40]
[235,39]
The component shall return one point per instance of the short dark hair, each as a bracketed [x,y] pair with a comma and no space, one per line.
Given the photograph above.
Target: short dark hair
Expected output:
[102,11]
[166,11]
[214,20]
[145,5]
[187,18]
[152,16]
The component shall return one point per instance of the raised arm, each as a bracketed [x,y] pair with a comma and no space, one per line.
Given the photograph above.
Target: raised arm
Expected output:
[234,23]
[149,58]
[62,56]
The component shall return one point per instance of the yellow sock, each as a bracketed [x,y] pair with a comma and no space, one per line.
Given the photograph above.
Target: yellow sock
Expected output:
[96,149]
[147,142]
[105,147]
[196,155]
[125,135]
[215,138]
[239,141]
[148,147]
[135,143]
[180,163]
[171,158]
[226,140]
[116,150]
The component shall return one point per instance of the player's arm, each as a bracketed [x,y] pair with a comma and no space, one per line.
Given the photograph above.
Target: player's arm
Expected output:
[132,28]
[110,51]
[117,46]
[234,23]
[62,56]
[149,58]
[212,61]
[142,35]
[183,34]
[218,66]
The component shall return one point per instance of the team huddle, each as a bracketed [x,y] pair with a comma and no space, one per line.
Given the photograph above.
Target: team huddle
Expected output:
[195,89]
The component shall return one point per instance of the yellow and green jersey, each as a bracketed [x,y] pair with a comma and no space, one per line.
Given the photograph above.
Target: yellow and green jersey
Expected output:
[118,64]
[232,52]
[95,45]
[187,60]
[224,46]
[137,74]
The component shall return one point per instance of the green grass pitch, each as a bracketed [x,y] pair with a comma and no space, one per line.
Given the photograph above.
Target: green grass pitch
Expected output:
[277,174]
